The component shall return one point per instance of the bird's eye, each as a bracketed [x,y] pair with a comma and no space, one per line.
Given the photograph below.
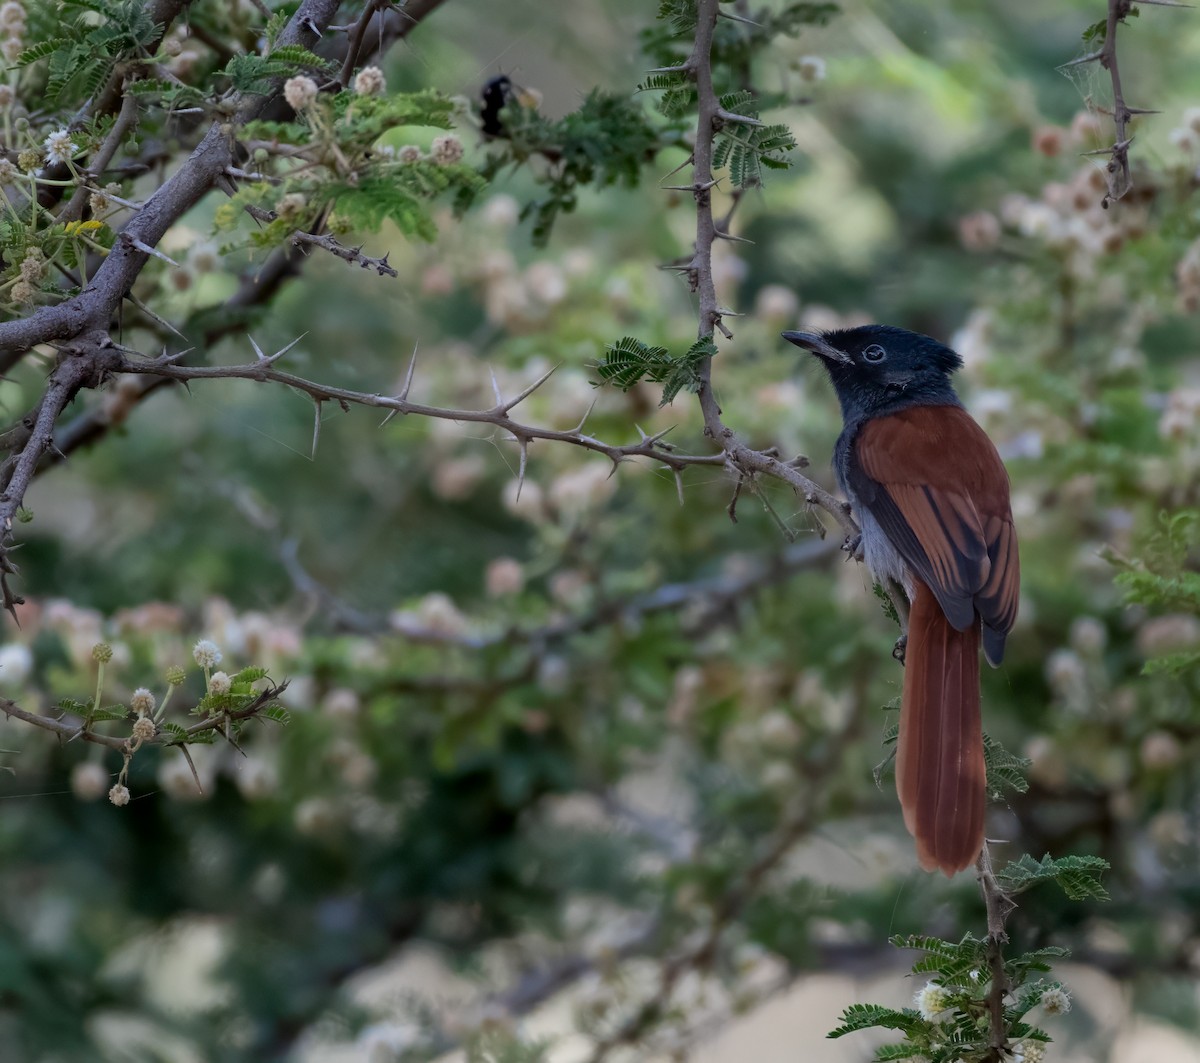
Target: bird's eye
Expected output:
[874,353]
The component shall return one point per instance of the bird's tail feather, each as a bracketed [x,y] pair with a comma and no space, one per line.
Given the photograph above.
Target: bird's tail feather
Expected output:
[939,761]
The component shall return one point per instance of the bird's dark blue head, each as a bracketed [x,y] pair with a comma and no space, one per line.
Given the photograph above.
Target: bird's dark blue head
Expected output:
[878,369]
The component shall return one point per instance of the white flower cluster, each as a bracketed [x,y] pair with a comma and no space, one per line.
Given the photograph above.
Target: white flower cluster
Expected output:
[299,92]
[933,1002]
[369,81]
[58,147]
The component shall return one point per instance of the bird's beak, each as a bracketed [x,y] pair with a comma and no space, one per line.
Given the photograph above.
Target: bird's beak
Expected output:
[810,341]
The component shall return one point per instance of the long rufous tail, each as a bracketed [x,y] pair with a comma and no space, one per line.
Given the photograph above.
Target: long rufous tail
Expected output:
[939,761]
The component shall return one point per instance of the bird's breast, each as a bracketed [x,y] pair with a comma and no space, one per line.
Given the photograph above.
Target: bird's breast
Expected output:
[882,559]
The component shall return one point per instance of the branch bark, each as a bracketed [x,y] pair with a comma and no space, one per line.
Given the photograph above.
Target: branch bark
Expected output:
[1119,181]
[998,906]
[744,458]
[263,372]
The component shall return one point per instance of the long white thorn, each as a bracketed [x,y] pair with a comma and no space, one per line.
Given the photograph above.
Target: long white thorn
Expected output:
[505,407]
[739,119]
[521,468]
[153,316]
[408,377]
[657,438]
[146,249]
[283,350]
[316,427]
[496,387]
[583,419]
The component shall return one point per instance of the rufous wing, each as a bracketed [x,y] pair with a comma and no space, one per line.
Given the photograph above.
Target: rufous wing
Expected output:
[935,484]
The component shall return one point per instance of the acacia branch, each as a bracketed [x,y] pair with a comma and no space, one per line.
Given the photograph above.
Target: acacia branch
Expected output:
[1119,180]
[355,42]
[263,371]
[79,367]
[70,731]
[998,906]
[744,458]
[347,254]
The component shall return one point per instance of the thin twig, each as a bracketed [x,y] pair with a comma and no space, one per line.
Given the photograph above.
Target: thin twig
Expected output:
[126,120]
[356,40]
[348,254]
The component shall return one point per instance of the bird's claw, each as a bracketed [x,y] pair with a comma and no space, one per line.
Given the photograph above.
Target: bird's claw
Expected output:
[899,649]
[853,547]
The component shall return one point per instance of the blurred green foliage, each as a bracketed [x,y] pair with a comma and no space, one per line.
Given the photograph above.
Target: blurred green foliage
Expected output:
[562,728]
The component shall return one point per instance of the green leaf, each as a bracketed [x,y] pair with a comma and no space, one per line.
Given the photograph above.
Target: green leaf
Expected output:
[402,196]
[1005,770]
[366,118]
[1077,876]
[278,714]
[866,1016]
[249,675]
[889,606]
[274,27]
[680,15]
[40,50]
[108,712]
[1173,665]
[251,74]
[746,149]
[300,58]
[629,361]
[951,961]
[174,730]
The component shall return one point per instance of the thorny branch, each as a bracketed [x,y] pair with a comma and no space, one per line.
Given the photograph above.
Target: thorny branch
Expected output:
[356,40]
[68,731]
[998,906]
[347,254]
[1117,170]
[743,458]
[263,371]
[1118,166]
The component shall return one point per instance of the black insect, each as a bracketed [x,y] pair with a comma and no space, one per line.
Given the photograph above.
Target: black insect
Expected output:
[497,93]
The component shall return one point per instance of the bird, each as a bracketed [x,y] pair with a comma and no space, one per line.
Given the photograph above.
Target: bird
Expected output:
[931,496]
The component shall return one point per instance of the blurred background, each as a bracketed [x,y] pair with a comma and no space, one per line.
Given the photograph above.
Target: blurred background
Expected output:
[538,743]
